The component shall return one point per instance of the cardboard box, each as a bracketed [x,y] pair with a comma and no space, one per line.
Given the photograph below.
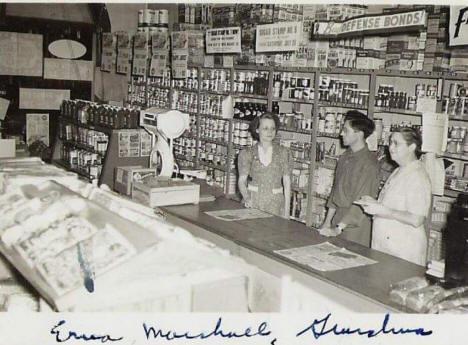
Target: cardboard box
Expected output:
[125,176]
[164,193]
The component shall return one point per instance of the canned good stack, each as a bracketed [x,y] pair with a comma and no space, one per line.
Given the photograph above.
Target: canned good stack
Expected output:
[240,133]
[295,121]
[212,153]
[215,177]
[342,91]
[215,129]
[136,94]
[84,161]
[301,150]
[185,101]
[165,80]
[456,103]
[158,97]
[251,82]
[287,85]
[186,147]
[216,80]
[330,122]
[153,18]
[457,142]
[211,104]
[190,82]
[232,186]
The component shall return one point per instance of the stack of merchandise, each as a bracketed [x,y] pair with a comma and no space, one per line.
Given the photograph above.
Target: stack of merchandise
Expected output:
[437,55]
[194,17]
[373,53]
[405,52]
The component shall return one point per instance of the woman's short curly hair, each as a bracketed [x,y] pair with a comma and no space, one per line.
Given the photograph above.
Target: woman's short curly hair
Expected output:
[256,123]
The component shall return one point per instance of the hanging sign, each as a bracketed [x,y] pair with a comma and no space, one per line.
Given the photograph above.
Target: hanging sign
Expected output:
[458,29]
[179,41]
[160,53]
[223,40]
[124,52]
[109,44]
[373,24]
[278,37]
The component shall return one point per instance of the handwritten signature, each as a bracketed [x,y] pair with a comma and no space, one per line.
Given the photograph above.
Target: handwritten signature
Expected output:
[320,328]
[61,337]
[152,333]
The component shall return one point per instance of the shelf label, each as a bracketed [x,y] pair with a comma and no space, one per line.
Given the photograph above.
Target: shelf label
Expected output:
[223,40]
[278,37]
[458,29]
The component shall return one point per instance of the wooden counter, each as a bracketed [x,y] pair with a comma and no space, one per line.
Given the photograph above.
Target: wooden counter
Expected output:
[361,289]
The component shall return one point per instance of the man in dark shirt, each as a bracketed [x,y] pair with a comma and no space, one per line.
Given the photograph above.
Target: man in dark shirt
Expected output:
[356,175]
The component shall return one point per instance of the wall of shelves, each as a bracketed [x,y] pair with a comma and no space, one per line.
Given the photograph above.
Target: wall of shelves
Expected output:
[365,80]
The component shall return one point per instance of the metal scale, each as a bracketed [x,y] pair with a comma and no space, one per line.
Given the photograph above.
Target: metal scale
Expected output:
[164,126]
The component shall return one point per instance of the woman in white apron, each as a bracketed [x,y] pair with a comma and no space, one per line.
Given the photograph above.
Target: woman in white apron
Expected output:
[403,204]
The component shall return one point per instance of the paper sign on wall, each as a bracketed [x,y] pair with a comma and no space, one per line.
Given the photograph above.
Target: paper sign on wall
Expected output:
[47,99]
[179,41]
[458,29]
[20,54]
[37,128]
[435,132]
[3,108]
[282,36]
[66,69]
[223,40]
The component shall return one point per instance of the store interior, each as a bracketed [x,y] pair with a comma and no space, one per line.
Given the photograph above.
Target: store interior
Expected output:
[122,133]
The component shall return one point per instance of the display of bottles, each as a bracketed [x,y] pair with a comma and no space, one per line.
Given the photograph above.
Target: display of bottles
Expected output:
[93,140]
[215,129]
[216,80]
[90,113]
[342,91]
[251,82]
[287,85]
[185,101]
[245,109]
[190,82]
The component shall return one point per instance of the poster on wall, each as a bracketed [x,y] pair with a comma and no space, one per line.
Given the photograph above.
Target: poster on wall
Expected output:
[179,41]
[140,53]
[124,52]
[160,53]
[20,54]
[37,128]
[223,40]
[129,143]
[145,144]
[278,37]
[458,29]
[67,69]
[44,99]
[109,43]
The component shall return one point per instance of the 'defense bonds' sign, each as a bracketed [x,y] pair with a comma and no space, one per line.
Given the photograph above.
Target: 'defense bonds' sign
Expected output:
[381,23]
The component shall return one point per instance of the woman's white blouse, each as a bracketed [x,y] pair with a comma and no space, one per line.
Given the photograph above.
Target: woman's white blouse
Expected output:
[407,189]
